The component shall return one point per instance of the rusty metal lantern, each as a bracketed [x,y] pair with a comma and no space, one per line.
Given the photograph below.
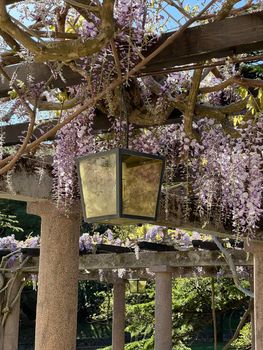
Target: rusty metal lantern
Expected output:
[120,186]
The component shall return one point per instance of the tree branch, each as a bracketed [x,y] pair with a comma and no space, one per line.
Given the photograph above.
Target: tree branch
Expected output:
[232,267]
[226,9]
[230,81]
[32,115]
[10,41]
[58,106]
[62,50]
[190,108]
[240,325]
[116,83]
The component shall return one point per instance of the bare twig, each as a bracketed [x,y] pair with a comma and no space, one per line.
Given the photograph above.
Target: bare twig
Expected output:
[231,264]
[240,325]
[32,115]
[179,7]
[232,80]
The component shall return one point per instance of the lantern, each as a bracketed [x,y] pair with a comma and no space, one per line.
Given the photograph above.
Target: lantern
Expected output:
[137,286]
[120,186]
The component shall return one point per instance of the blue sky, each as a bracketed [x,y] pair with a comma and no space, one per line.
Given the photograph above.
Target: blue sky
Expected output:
[192,3]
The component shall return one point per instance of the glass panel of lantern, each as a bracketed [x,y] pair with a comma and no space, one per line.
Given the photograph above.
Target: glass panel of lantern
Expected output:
[137,286]
[120,186]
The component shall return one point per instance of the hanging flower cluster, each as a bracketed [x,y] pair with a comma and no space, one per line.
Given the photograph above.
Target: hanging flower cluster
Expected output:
[224,173]
[227,175]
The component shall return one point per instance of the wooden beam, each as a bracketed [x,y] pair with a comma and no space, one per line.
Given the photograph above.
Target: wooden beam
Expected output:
[101,123]
[231,36]
[40,72]
[109,276]
[177,272]
[151,259]
[13,132]
[180,262]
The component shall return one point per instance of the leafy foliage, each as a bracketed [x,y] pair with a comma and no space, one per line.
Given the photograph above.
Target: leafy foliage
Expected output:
[191,311]
[15,220]
[244,340]
[91,296]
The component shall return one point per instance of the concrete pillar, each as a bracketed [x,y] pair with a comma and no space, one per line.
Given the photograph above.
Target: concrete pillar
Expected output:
[253,345]
[11,326]
[118,325]
[251,282]
[163,309]
[56,320]
[256,248]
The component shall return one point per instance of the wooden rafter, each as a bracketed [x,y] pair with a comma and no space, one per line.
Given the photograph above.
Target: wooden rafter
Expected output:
[197,44]
[151,260]
[213,40]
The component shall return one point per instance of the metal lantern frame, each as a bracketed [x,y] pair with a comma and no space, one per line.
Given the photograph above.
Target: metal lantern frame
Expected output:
[120,152]
[140,286]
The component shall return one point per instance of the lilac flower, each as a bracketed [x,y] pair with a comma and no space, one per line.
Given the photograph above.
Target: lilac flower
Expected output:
[196,235]
[32,242]
[9,242]
[109,234]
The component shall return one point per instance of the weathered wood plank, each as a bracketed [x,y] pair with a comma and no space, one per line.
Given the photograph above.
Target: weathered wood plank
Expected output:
[181,261]
[40,72]
[151,259]
[13,132]
[109,275]
[242,34]
[101,123]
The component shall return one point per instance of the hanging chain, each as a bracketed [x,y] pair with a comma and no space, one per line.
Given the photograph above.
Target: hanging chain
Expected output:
[125,113]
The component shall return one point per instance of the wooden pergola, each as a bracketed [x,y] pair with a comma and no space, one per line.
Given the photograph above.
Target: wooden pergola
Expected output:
[59,272]
[156,261]
[196,45]
[164,262]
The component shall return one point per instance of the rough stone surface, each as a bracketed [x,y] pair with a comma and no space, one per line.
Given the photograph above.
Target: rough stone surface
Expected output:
[118,326]
[151,259]
[56,322]
[25,184]
[256,248]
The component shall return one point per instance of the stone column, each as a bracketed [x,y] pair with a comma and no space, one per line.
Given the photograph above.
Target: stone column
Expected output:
[163,309]
[256,248]
[56,320]
[253,346]
[11,326]
[118,325]
[251,282]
